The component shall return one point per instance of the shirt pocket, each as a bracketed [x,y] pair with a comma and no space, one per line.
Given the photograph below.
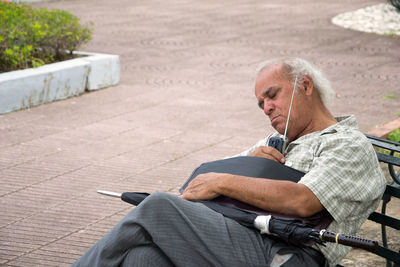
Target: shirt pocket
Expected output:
[300,158]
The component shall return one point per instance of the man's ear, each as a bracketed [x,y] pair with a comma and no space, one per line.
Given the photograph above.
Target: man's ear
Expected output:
[308,84]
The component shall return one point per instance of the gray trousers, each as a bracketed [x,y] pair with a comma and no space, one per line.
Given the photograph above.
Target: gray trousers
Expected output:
[165,230]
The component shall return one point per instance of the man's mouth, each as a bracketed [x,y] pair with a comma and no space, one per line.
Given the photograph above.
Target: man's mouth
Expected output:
[273,119]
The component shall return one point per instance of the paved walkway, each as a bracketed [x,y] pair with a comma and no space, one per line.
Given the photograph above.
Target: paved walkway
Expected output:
[185,97]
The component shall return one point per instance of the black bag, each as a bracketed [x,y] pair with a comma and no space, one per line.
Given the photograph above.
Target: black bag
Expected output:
[242,212]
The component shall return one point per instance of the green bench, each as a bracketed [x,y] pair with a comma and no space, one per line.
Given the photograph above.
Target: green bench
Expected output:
[392,191]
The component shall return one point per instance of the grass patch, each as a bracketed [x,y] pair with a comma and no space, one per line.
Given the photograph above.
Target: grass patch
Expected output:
[392,33]
[392,136]
[390,96]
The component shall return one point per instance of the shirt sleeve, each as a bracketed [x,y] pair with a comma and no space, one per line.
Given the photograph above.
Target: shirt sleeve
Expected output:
[345,176]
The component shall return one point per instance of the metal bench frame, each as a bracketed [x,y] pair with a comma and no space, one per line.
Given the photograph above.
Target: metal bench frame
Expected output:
[392,190]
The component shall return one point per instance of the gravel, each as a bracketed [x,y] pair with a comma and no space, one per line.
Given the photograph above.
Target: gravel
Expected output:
[380,19]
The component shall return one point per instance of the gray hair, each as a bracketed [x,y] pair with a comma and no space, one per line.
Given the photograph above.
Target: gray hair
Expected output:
[298,66]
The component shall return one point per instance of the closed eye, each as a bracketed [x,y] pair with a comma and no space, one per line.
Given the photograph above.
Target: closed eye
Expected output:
[261,104]
[270,93]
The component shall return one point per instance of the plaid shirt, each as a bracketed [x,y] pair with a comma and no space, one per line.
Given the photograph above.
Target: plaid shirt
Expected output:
[342,170]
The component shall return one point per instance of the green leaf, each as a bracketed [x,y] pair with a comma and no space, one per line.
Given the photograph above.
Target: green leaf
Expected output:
[394,135]
[37,62]
[9,52]
[390,96]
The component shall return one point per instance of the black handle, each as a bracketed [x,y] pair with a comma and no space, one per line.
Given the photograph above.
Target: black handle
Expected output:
[349,240]
[134,198]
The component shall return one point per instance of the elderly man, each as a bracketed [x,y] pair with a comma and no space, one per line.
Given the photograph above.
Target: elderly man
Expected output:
[342,176]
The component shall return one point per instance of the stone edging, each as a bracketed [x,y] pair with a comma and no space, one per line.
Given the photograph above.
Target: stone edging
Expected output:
[384,130]
[381,19]
[32,87]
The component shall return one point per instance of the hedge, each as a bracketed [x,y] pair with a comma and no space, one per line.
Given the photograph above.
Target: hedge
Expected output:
[32,37]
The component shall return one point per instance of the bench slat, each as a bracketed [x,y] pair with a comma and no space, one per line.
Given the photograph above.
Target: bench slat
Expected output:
[388,254]
[384,143]
[393,190]
[385,220]
[388,159]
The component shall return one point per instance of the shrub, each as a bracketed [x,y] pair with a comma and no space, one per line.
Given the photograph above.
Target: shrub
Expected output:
[33,37]
[395,3]
[394,135]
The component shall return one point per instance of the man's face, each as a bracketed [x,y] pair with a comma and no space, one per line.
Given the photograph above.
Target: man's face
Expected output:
[273,92]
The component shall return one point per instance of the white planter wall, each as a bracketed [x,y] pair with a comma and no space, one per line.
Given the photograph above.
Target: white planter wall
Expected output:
[31,87]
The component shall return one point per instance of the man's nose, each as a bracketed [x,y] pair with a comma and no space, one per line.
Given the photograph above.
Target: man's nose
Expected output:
[268,108]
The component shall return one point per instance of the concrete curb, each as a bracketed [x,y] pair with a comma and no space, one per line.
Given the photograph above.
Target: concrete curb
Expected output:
[32,87]
[384,130]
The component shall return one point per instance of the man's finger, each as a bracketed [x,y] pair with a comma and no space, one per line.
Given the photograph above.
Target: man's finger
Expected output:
[269,153]
[275,153]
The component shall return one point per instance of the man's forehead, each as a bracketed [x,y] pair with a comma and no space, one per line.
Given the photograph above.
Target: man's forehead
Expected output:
[268,76]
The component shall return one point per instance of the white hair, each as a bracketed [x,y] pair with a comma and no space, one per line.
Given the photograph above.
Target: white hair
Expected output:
[298,66]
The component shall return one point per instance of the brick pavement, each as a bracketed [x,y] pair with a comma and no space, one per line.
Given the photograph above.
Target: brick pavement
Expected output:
[187,70]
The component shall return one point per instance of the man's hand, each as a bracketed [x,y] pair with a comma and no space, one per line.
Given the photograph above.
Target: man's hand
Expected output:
[268,152]
[204,186]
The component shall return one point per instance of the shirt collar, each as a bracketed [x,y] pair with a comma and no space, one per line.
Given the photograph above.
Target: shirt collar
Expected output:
[343,122]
